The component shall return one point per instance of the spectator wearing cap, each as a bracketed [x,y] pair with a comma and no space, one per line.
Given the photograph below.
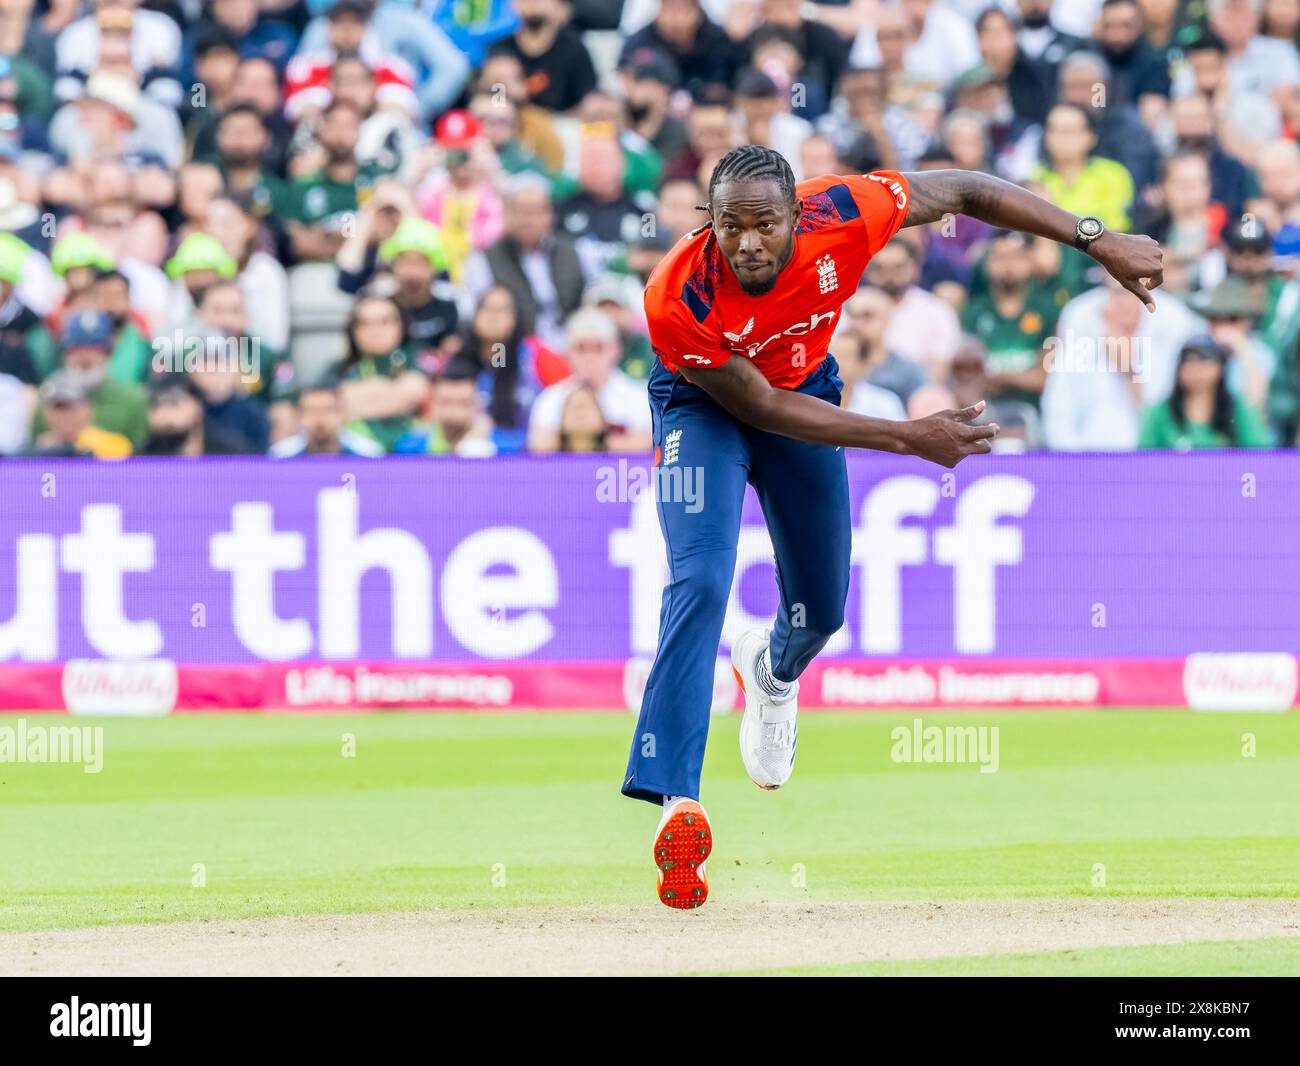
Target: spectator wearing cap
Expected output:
[1076,179]
[110,116]
[199,261]
[69,419]
[322,428]
[620,297]
[704,56]
[938,42]
[540,267]
[1010,143]
[177,425]
[648,84]
[558,71]
[1200,411]
[310,79]
[461,198]
[119,406]
[594,354]
[1232,313]
[415,256]
[767,119]
[388,138]
[1247,253]
[26,347]
[1013,319]
[384,389]
[400,30]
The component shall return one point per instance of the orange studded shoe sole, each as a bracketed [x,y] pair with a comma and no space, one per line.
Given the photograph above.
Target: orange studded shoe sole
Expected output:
[681,848]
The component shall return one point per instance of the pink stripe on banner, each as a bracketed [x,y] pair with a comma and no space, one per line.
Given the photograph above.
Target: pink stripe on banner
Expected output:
[158,687]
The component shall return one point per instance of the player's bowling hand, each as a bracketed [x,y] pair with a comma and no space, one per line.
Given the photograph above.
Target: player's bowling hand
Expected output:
[1134,260]
[948,437]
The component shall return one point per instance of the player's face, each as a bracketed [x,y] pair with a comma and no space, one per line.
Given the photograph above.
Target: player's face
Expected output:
[754,226]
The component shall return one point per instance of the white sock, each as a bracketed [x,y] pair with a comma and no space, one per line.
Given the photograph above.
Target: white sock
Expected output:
[778,690]
[670,800]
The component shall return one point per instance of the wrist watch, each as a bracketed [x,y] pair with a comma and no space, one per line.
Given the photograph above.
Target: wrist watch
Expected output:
[1087,230]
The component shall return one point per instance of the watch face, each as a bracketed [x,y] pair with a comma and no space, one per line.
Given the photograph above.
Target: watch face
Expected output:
[1089,228]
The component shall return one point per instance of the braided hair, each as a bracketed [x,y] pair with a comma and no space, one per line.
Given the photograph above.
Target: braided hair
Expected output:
[751,162]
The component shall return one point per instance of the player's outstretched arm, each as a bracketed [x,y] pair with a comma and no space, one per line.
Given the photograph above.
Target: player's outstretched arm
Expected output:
[742,391]
[1134,260]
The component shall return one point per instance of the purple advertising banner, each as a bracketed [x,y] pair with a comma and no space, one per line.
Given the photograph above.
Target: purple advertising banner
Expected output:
[560,559]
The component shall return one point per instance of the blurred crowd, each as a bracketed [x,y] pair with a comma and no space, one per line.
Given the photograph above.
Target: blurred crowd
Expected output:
[379,227]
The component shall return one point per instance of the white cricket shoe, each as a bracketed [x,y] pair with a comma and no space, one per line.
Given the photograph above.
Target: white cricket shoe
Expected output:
[768,732]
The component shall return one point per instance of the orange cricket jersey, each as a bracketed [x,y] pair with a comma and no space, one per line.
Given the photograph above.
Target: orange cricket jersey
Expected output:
[699,316]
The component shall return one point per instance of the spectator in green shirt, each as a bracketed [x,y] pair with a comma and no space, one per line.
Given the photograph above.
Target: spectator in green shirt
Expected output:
[119,406]
[1200,411]
[132,352]
[1014,318]
[322,202]
[383,390]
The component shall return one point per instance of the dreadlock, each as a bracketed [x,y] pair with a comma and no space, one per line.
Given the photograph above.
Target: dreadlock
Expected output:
[752,162]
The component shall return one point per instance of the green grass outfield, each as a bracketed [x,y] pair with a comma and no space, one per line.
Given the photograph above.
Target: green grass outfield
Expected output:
[459,810]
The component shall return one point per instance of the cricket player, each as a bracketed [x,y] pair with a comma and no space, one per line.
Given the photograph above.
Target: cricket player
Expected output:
[741,312]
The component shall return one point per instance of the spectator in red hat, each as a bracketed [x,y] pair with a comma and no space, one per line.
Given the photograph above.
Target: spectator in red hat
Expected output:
[461,197]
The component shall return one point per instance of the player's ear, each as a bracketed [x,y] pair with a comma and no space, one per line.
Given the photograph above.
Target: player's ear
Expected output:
[798,210]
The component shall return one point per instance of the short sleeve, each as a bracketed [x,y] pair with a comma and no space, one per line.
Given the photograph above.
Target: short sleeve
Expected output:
[882,197]
[678,339]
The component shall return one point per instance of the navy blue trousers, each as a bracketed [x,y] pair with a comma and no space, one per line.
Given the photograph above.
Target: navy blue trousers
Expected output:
[803,490]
